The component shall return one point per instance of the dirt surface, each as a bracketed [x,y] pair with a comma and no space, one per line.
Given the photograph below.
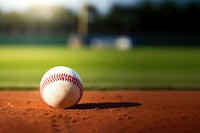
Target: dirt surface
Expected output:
[103,112]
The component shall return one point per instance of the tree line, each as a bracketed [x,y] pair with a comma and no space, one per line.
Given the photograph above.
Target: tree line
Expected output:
[147,17]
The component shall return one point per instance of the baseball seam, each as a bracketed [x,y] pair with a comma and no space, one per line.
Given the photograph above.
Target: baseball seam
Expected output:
[61,77]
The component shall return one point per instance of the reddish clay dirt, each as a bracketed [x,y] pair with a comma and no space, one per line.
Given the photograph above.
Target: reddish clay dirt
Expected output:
[103,112]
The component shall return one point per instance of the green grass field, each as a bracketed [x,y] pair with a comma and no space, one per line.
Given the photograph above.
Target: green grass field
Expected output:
[141,68]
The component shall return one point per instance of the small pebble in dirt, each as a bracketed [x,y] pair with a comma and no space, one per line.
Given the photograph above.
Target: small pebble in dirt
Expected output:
[24,113]
[119,119]
[74,121]
[46,113]
[9,104]
[53,116]
[96,109]
[83,118]
[28,102]
[129,117]
[60,116]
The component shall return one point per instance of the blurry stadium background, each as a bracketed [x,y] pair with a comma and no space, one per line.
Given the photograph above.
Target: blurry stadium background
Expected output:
[113,44]
[144,21]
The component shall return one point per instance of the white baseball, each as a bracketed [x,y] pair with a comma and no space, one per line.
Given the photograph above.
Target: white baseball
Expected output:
[61,87]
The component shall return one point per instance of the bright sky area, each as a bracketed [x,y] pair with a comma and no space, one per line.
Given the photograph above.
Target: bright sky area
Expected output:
[102,5]
[22,5]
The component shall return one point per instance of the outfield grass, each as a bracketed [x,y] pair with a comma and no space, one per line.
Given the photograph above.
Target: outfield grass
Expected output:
[140,68]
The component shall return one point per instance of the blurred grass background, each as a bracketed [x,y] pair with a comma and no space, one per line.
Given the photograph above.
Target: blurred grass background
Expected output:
[22,67]
[129,44]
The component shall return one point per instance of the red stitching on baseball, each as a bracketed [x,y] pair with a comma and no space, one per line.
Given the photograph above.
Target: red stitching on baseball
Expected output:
[61,77]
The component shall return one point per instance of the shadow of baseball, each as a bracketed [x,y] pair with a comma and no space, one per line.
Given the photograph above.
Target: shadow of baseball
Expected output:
[106,105]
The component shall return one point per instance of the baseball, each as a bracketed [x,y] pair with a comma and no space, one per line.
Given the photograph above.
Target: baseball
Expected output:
[61,87]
